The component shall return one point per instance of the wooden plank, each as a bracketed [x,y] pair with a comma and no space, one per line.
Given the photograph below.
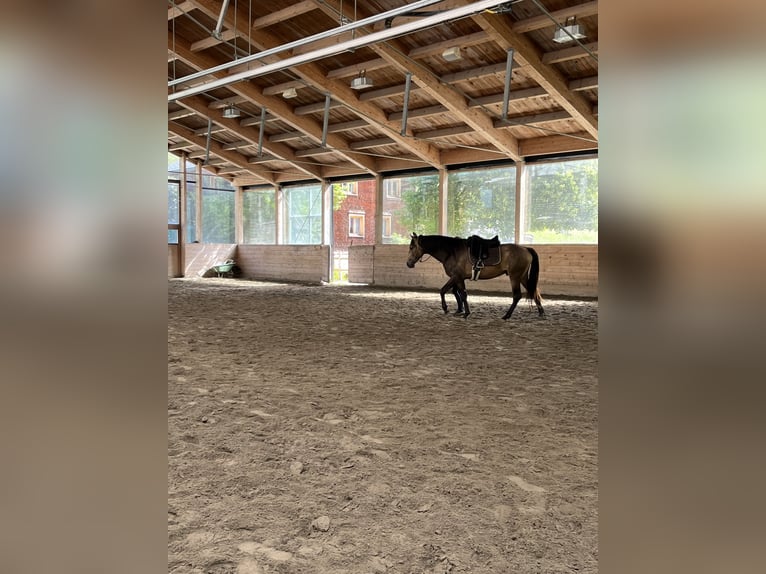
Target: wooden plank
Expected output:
[209,42]
[355,69]
[556,144]
[364,144]
[284,14]
[544,21]
[279,88]
[438,47]
[584,83]
[573,53]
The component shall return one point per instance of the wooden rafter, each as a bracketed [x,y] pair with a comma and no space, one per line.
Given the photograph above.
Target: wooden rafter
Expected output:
[216,148]
[276,106]
[200,106]
[548,77]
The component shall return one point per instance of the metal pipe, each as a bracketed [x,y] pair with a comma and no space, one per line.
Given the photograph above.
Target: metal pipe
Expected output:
[507,90]
[260,134]
[406,108]
[219,25]
[326,119]
[303,41]
[338,48]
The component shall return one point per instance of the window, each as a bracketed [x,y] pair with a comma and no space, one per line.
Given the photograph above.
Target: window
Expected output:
[482,202]
[392,188]
[562,204]
[348,188]
[356,224]
[387,222]
[174,211]
[259,216]
[217,216]
[303,215]
[417,208]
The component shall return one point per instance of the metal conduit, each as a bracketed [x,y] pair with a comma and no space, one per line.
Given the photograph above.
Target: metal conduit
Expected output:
[303,41]
[338,48]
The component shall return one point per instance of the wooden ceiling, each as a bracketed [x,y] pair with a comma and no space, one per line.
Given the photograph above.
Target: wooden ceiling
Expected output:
[455,108]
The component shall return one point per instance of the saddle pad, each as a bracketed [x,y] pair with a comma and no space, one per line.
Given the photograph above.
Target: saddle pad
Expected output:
[494,256]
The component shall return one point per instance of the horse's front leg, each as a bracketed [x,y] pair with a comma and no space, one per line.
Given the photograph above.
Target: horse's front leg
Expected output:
[463,294]
[459,299]
[447,286]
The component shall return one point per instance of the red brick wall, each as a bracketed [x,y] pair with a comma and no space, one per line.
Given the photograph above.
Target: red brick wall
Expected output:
[363,202]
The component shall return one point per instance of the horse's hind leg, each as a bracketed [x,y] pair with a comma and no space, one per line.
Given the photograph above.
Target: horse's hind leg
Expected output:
[447,286]
[516,288]
[460,286]
[459,299]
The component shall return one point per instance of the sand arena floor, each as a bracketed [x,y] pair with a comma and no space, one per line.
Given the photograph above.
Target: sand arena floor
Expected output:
[345,429]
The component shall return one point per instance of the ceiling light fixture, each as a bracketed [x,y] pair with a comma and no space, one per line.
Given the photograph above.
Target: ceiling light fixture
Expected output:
[290,93]
[452,54]
[231,112]
[569,32]
[361,82]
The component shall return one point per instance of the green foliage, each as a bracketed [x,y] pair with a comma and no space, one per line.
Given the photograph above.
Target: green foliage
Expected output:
[482,202]
[563,197]
[217,216]
[420,209]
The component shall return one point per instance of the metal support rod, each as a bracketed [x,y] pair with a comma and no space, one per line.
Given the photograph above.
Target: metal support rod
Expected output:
[406,109]
[219,26]
[507,90]
[373,38]
[207,145]
[303,41]
[260,134]
[326,118]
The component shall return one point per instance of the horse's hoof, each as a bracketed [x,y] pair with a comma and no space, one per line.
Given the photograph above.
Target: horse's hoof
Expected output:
[506,317]
[465,315]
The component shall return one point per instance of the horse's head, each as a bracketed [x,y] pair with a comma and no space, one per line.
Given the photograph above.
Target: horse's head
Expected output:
[416,251]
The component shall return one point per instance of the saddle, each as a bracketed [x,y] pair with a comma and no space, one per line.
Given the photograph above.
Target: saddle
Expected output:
[483,252]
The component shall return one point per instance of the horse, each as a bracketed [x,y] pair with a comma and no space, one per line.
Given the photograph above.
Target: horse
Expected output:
[521,264]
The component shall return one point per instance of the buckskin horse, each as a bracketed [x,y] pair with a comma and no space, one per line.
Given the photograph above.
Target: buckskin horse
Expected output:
[521,264]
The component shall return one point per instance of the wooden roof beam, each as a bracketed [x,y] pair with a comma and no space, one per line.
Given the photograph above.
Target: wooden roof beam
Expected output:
[316,76]
[217,149]
[548,77]
[450,98]
[276,105]
[567,54]
[251,134]
[560,16]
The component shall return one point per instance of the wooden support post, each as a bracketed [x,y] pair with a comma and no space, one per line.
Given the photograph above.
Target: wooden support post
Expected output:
[278,216]
[378,209]
[521,202]
[239,227]
[182,220]
[443,221]
[200,237]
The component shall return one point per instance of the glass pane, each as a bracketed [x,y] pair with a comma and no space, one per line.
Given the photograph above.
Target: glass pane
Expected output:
[482,202]
[174,209]
[172,236]
[562,202]
[346,207]
[303,215]
[191,211]
[259,216]
[217,216]
[417,208]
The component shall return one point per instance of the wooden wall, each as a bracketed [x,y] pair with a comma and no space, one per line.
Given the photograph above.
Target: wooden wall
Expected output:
[200,257]
[174,267]
[570,270]
[309,263]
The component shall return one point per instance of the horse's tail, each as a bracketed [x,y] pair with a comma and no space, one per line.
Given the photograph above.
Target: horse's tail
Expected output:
[533,276]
